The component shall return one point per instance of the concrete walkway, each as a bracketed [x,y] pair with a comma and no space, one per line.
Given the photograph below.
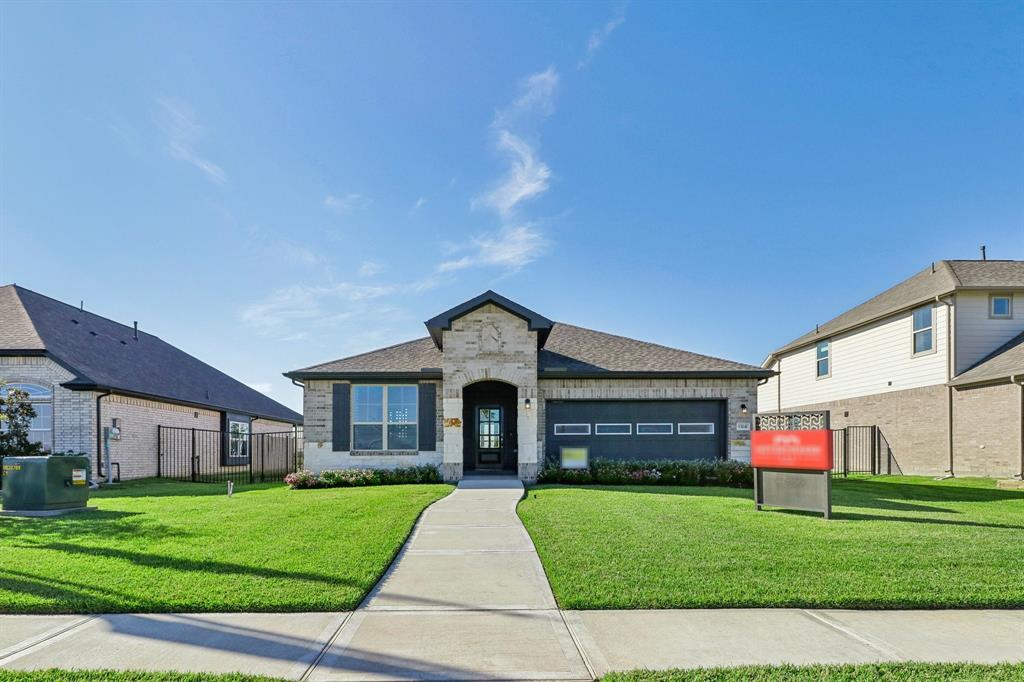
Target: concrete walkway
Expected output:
[467,599]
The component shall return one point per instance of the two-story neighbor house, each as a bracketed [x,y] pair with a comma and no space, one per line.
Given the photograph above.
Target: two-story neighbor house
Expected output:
[497,387]
[85,374]
[936,362]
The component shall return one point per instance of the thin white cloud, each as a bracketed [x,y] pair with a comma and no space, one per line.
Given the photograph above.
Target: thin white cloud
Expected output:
[527,176]
[369,268]
[346,202]
[322,306]
[510,248]
[598,37]
[182,133]
[420,203]
[263,387]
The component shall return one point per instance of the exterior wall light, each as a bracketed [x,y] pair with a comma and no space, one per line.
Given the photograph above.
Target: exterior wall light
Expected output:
[528,405]
[743,408]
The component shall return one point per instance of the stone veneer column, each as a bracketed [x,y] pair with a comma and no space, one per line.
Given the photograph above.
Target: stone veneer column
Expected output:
[452,462]
[527,436]
[490,343]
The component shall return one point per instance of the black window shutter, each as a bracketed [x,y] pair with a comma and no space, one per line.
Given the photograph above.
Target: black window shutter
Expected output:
[340,417]
[428,417]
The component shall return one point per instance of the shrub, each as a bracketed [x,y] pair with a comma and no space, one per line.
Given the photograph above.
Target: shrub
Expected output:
[654,472]
[350,478]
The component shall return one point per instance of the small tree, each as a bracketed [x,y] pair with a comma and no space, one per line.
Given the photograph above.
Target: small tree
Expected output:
[16,415]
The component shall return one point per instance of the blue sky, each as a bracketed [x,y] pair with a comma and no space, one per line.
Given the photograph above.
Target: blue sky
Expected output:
[269,186]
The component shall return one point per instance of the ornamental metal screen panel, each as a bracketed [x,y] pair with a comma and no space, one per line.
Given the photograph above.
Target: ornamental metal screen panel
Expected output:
[791,421]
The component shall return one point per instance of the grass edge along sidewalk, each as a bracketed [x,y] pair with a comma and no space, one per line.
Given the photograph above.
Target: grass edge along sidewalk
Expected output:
[895,543]
[870,672]
[166,547]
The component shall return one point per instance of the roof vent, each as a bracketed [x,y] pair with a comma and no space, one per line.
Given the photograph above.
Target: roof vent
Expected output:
[136,330]
[93,334]
[124,343]
[74,321]
[983,256]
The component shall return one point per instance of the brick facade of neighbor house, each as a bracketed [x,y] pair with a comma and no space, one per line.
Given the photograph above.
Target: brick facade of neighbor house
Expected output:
[935,362]
[86,362]
[74,421]
[492,354]
[912,422]
[992,446]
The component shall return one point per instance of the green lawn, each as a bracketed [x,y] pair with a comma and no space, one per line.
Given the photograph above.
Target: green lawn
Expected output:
[895,542]
[902,672]
[158,546]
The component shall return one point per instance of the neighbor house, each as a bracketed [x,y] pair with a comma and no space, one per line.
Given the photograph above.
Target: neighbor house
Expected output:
[496,387]
[936,363]
[88,376]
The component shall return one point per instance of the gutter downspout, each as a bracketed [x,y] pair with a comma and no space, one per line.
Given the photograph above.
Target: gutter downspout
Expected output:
[99,434]
[949,389]
[1019,380]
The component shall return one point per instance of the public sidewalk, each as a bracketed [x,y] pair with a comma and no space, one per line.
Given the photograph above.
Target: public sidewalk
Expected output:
[467,598]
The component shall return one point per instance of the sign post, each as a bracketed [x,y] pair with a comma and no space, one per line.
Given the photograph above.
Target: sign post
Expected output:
[793,469]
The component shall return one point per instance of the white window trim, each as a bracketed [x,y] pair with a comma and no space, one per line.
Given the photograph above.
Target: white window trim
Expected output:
[384,416]
[680,431]
[827,359]
[628,426]
[670,431]
[914,332]
[991,303]
[572,434]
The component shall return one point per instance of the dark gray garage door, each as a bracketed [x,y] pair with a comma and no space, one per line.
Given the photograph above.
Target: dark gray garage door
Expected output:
[637,429]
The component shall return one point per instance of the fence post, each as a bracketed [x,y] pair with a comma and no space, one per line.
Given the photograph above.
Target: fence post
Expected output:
[159,447]
[875,467]
[192,458]
[846,451]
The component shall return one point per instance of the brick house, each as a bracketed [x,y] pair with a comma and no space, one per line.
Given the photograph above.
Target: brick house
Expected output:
[85,374]
[936,362]
[496,387]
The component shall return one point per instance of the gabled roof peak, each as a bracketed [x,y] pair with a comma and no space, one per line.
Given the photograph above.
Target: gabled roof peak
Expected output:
[535,321]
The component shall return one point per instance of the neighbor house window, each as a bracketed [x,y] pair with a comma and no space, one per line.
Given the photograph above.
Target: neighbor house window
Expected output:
[572,429]
[923,337]
[575,458]
[823,359]
[384,417]
[1000,306]
[654,429]
[238,439]
[613,429]
[696,428]
[40,429]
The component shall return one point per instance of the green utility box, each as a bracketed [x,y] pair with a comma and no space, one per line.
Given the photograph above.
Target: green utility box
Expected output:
[51,484]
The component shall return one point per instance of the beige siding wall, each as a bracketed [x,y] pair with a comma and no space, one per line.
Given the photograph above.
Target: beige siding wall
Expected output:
[867,361]
[736,392]
[318,451]
[987,430]
[977,334]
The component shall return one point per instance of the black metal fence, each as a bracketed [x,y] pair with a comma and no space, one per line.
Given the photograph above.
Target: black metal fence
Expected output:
[205,456]
[862,450]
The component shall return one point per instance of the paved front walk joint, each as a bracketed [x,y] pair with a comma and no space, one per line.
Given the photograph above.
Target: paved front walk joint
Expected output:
[467,598]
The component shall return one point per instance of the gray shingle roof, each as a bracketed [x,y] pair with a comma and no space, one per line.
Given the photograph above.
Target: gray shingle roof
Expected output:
[945,277]
[569,350]
[1002,363]
[104,354]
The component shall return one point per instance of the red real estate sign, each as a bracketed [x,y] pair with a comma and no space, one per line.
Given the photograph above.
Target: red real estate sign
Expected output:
[804,450]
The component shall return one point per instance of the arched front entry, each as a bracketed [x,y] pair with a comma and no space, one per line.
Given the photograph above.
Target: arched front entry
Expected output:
[490,427]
